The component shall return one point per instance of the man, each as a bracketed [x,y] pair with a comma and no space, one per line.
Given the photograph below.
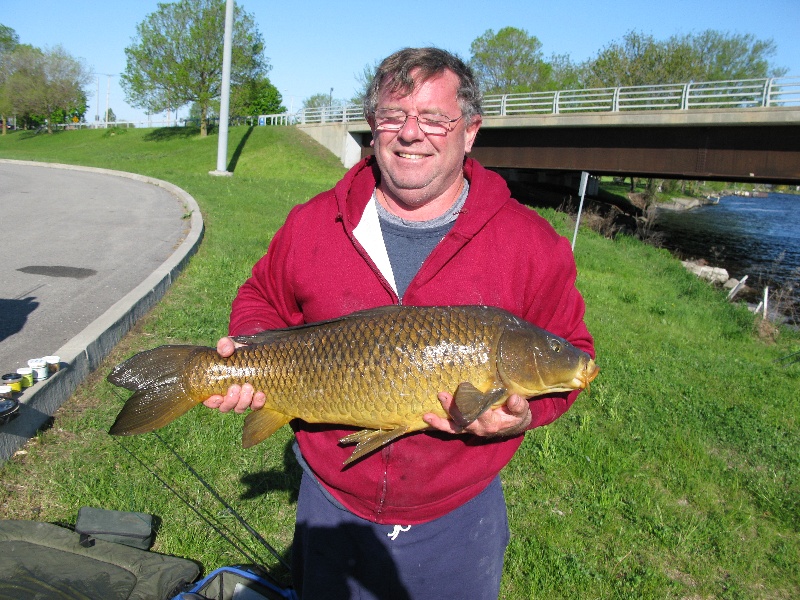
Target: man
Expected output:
[418,224]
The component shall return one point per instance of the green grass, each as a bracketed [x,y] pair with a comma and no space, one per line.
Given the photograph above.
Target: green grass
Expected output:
[677,477]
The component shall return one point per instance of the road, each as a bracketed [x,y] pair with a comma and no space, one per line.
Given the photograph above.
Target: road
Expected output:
[75,243]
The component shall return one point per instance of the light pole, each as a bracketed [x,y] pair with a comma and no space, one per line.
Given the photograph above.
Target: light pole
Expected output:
[224,106]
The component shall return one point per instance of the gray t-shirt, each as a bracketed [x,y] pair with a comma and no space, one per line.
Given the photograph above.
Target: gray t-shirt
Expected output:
[409,243]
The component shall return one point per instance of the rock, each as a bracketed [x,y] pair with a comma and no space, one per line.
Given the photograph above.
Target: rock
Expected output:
[713,274]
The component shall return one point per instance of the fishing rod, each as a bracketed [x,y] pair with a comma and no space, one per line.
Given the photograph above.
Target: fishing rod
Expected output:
[788,356]
[240,547]
[228,507]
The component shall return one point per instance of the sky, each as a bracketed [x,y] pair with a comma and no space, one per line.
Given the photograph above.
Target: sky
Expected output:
[316,45]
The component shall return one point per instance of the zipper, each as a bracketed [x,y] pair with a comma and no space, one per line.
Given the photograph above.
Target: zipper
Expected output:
[363,253]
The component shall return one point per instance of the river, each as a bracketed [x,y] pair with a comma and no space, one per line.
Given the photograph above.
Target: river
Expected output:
[758,237]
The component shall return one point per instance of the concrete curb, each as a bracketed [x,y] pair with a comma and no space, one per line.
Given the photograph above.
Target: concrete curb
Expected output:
[83,354]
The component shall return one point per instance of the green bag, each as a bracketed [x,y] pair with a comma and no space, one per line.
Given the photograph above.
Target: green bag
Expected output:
[129,528]
[40,560]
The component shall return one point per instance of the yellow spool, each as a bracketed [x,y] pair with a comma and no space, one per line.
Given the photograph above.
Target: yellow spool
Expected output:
[13,380]
[27,376]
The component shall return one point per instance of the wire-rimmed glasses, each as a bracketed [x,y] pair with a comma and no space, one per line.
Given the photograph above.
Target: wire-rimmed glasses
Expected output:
[391,119]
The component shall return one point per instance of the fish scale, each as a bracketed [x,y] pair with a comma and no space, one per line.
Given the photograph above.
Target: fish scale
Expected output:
[379,369]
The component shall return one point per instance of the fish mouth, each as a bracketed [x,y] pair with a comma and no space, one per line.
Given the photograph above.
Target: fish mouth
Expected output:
[587,375]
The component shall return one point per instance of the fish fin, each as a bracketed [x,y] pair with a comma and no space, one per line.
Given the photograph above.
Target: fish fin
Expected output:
[273,335]
[358,436]
[370,440]
[260,424]
[472,403]
[160,395]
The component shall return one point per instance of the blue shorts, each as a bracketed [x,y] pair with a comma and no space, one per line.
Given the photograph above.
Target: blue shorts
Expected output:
[338,555]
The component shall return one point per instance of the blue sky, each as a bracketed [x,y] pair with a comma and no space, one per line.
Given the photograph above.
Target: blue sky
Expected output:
[316,45]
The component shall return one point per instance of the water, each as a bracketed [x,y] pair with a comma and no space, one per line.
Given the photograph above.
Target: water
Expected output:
[758,237]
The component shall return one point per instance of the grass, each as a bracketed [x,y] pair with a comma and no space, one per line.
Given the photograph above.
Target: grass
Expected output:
[678,477]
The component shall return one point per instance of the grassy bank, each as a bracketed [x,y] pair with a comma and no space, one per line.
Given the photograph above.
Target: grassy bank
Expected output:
[678,477]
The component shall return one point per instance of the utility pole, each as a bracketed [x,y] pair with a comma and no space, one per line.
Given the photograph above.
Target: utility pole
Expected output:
[108,93]
[224,106]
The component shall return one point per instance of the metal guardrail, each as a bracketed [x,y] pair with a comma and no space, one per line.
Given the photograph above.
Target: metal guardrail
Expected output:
[741,93]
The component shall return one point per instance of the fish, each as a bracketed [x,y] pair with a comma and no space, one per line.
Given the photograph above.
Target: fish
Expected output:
[379,370]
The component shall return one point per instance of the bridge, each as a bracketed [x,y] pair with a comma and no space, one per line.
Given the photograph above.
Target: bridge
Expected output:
[742,130]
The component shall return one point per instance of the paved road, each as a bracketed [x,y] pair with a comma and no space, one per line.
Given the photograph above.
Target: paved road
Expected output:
[75,243]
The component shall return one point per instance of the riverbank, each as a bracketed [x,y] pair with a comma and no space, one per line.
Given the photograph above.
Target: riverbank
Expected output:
[757,238]
[686,203]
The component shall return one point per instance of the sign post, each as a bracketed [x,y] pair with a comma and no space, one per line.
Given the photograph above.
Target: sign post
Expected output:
[581,193]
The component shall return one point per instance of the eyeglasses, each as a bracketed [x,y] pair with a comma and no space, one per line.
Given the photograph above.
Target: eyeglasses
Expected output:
[389,119]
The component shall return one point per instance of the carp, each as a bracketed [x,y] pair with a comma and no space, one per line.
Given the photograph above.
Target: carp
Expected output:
[378,369]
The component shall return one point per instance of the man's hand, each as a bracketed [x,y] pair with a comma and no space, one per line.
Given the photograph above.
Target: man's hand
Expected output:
[510,419]
[239,397]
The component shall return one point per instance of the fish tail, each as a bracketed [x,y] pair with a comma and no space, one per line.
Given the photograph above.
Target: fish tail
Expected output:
[161,393]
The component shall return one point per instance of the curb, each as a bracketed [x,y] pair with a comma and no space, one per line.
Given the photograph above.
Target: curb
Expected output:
[83,354]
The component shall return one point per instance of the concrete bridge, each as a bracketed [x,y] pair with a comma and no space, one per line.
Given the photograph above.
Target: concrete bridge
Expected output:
[745,130]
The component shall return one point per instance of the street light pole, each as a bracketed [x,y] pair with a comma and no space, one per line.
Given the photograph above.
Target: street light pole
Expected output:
[224,107]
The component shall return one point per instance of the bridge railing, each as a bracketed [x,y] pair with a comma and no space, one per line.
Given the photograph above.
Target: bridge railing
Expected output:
[331,114]
[742,93]
[745,93]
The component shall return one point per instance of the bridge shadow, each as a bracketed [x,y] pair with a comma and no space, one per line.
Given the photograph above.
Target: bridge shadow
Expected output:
[14,314]
[239,147]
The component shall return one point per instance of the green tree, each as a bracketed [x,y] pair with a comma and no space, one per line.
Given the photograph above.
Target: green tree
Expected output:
[256,97]
[364,80]
[637,59]
[46,85]
[176,58]
[565,74]
[8,41]
[509,61]
[320,100]
[72,114]
[640,59]
[8,38]
[719,56]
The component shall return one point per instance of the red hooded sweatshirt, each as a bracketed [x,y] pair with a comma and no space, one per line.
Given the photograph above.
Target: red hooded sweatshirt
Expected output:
[498,253]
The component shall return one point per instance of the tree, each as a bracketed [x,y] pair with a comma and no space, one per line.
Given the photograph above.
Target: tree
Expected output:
[509,61]
[256,97]
[176,57]
[565,74]
[320,100]
[635,60]
[640,59]
[46,84]
[8,41]
[720,56]
[364,80]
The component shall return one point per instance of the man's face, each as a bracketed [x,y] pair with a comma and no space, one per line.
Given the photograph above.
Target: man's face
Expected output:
[419,168]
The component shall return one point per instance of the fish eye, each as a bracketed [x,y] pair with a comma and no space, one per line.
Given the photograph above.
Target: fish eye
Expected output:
[555,345]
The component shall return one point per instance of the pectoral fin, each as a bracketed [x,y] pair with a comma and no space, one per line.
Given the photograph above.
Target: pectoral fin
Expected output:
[472,403]
[260,424]
[371,439]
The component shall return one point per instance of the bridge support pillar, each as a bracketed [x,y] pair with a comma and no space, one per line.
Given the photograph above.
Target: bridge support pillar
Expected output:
[346,145]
